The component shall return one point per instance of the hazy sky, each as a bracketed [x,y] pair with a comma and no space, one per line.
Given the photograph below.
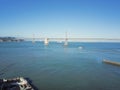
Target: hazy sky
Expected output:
[52,18]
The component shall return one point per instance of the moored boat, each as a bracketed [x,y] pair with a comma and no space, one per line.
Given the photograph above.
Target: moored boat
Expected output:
[19,83]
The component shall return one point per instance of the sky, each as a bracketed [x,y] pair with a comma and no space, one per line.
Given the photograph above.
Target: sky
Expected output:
[53,18]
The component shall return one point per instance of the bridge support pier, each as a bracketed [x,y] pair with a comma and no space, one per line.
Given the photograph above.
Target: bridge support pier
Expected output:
[46,42]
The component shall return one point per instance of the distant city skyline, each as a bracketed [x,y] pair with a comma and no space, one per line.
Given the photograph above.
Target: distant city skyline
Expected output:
[53,18]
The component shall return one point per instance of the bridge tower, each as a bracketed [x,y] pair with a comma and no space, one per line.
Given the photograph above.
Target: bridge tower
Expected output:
[46,42]
[66,40]
[33,40]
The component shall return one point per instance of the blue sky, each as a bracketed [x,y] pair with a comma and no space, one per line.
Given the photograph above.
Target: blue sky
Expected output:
[52,18]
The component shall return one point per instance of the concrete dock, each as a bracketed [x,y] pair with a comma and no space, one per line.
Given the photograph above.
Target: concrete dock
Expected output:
[111,62]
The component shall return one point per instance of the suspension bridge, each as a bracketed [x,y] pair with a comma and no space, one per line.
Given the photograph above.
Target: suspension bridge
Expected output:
[47,40]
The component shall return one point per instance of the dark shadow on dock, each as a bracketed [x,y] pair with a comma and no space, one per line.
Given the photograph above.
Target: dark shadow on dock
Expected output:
[30,82]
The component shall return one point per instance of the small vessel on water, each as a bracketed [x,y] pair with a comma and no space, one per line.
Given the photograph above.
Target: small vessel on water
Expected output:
[80,47]
[19,83]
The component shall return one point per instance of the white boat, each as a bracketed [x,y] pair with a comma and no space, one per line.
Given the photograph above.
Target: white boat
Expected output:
[80,47]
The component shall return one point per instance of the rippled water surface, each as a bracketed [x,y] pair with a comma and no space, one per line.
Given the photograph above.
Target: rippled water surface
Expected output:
[55,67]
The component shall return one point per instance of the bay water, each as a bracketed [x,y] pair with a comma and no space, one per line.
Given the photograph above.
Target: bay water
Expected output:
[77,66]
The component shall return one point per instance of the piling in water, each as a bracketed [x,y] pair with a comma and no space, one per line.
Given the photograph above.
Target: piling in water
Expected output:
[111,62]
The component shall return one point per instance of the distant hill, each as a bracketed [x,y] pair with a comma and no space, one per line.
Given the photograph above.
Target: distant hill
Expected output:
[10,39]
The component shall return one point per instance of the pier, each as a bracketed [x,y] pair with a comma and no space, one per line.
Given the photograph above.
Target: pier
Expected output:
[111,62]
